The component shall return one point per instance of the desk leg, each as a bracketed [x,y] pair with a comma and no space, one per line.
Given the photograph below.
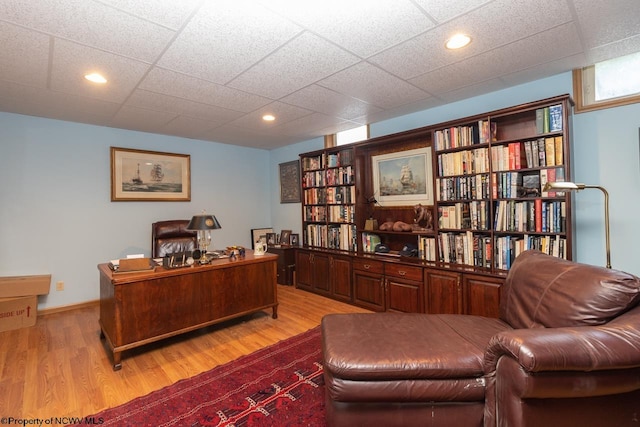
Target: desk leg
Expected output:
[275,312]
[117,361]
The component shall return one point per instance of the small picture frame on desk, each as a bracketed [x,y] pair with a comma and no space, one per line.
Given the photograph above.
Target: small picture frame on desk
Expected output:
[285,237]
[294,240]
[272,239]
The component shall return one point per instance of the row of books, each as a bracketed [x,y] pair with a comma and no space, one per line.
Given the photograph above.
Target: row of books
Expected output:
[427,248]
[343,213]
[315,213]
[463,162]
[465,248]
[544,152]
[479,250]
[313,162]
[463,188]
[472,215]
[319,178]
[340,195]
[481,132]
[549,119]
[313,179]
[507,185]
[341,158]
[342,237]
[369,242]
[509,247]
[340,176]
[315,196]
[531,216]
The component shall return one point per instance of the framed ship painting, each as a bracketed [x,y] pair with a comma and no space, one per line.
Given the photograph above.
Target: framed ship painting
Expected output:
[403,178]
[138,175]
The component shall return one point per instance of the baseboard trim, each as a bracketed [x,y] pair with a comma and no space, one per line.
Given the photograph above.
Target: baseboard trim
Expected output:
[53,310]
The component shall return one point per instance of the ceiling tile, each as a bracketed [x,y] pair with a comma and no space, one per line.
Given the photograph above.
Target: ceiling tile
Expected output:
[299,63]
[225,38]
[15,66]
[373,85]
[283,113]
[363,27]
[43,102]
[160,102]
[163,12]
[608,21]
[72,61]
[329,102]
[444,10]
[90,23]
[541,48]
[486,27]
[547,69]
[141,119]
[180,86]
[189,127]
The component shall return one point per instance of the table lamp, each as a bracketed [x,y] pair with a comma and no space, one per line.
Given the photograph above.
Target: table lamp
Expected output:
[572,186]
[203,224]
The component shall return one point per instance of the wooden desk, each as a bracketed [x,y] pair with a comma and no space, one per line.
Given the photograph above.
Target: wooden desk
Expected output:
[140,308]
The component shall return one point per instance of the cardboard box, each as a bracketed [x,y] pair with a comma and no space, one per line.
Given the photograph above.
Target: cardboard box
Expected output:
[21,286]
[16,313]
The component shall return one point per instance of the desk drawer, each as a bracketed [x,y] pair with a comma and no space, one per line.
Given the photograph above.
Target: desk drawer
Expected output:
[368,265]
[404,271]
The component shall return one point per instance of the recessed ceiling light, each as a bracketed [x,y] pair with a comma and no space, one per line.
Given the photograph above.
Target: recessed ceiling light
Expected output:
[96,78]
[458,41]
[268,117]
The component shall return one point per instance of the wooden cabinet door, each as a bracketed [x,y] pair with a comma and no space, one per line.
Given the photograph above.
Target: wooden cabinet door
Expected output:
[340,273]
[368,290]
[404,295]
[443,293]
[405,288]
[320,268]
[303,270]
[482,295]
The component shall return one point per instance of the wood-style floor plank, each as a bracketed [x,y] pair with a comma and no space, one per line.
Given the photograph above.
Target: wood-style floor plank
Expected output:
[60,367]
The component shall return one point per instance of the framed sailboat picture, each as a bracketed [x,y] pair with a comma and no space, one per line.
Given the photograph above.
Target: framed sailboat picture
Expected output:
[139,175]
[403,178]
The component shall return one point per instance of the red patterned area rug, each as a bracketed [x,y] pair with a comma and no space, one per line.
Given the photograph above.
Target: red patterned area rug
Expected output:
[280,385]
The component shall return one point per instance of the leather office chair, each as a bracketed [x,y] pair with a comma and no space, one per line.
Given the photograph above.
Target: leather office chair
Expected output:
[172,236]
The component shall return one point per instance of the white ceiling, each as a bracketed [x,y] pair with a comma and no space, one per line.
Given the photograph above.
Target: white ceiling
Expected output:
[209,69]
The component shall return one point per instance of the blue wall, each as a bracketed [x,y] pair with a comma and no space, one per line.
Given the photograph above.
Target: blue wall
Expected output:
[56,215]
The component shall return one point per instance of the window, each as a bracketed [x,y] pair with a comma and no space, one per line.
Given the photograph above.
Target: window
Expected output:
[607,84]
[347,136]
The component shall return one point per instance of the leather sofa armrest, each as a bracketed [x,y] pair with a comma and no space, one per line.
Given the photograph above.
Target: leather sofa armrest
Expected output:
[582,348]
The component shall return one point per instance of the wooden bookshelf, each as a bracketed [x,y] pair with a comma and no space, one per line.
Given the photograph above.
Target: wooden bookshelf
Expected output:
[485,178]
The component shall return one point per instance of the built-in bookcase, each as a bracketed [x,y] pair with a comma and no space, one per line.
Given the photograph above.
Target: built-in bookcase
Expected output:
[329,198]
[491,172]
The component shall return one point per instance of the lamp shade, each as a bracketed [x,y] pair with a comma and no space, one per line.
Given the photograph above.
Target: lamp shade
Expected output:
[203,222]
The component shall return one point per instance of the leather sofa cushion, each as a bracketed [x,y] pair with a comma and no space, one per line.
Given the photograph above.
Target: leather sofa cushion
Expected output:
[545,291]
[403,346]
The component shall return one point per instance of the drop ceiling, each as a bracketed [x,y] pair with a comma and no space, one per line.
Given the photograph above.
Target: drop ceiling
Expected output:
[210,70]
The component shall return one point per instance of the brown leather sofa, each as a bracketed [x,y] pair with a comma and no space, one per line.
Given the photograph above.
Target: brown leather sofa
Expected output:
[564,352]
[172,236]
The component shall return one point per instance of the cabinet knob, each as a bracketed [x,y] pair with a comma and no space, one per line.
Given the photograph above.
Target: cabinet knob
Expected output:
[366,266]
[402,272]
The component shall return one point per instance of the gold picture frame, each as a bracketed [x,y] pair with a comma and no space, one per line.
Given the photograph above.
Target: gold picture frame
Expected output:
[149,176]
[403,178]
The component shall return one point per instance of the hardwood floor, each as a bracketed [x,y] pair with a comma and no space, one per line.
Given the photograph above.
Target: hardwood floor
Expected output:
[59,367]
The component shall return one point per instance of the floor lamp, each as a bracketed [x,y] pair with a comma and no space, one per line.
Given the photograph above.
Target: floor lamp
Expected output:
[571,186]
